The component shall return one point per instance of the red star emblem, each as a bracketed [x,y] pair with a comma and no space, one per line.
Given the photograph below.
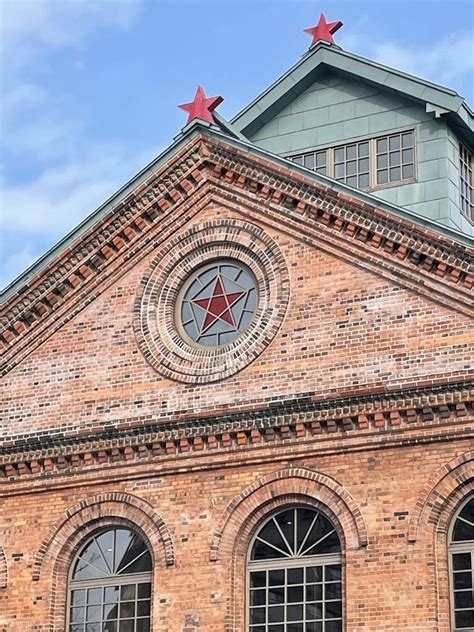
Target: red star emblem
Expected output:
[324,30]
[218,305]
[202,106]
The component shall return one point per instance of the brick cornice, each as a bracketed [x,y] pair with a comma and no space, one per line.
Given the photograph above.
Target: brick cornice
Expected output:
[206,169]
[300,420]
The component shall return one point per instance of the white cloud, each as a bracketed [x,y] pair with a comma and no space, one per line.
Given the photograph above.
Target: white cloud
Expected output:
[448,62]
[69,173]
[61,196]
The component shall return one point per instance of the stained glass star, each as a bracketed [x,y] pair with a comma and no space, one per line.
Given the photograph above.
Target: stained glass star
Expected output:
[324,30]
[218,305]
[202,106]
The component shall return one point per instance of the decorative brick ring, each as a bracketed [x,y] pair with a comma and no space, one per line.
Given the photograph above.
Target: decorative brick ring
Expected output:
[156,330]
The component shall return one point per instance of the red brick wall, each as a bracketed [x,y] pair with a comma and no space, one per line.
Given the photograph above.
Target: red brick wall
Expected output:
[345,328]
[390,583]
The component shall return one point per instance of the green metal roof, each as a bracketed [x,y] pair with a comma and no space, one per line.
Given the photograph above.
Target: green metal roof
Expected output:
[222,132]
[322,55]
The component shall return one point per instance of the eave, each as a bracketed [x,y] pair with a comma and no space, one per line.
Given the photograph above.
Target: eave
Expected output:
[298,78]
[206,167]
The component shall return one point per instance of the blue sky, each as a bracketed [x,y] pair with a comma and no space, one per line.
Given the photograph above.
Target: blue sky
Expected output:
[89,88]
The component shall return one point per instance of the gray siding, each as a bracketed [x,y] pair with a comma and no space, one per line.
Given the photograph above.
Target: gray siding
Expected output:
[336,109]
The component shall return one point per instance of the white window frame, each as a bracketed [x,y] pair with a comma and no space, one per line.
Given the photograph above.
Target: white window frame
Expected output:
[372,140]
[466,546]
[466,161]
[105,582]
[281,563]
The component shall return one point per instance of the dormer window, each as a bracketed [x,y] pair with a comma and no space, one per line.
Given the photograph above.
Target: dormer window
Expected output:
[466,183]
[367,164]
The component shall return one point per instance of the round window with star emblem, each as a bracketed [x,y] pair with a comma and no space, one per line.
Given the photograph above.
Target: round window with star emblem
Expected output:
[212,300]
[217,303]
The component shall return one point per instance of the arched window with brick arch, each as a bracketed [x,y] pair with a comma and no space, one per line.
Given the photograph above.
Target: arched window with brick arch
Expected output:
[461,550]
[294,574]
[110,584]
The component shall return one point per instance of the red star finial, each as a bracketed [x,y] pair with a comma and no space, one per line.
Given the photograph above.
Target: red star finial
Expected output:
[202,106]
[324,30]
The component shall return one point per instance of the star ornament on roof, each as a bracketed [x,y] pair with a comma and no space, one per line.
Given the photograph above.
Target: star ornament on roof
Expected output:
[202,106]
[324,30]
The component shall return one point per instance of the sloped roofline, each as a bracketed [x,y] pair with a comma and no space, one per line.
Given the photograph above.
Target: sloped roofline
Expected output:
[236,139]
[300,76]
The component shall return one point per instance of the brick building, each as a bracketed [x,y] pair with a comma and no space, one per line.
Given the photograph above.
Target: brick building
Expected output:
[238,396]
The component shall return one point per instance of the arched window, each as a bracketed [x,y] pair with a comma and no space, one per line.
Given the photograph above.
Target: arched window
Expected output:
[461,548]
[110,584]
[295,574]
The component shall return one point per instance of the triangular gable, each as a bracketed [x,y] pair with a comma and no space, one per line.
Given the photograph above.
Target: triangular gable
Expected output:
[435,98]
[210,166]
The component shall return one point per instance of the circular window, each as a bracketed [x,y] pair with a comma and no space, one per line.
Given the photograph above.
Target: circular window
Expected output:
[217,303]
[212,301]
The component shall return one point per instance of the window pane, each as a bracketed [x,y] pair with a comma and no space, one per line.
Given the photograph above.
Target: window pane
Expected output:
[309,161]
[464,619]
[394,159]
[258,579]
[394,142]
[351,152]
[276,614]
[462,580]
[257,615]
[294,594]
[407,139]
[381,145]
[143,625]
[464,599]
[363,165]
[351,167]
[382,177]
[294,613]
[382,161]
[295,575]
[407,155]
[320,158]
[258,597]
[276,578]
[276,595]
[363,150]
[461,561]
[78,597]
[352,181]
[94,596]
[339,154]
[314,574]
[407,171]
[338,171]
[364,180]
[394,174]
[298,160]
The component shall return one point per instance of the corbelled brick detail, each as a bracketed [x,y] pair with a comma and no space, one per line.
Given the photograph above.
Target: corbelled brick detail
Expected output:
[395,245]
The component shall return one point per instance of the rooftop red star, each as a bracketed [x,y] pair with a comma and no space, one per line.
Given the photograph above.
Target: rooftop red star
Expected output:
[324,30]
[202,106]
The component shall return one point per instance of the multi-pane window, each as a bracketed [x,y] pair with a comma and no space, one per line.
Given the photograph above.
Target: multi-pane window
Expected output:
[295,574]
[466,183]
[462,568]
[352,164]
[110,585]
[316,160]
[395,158]
[366,164]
